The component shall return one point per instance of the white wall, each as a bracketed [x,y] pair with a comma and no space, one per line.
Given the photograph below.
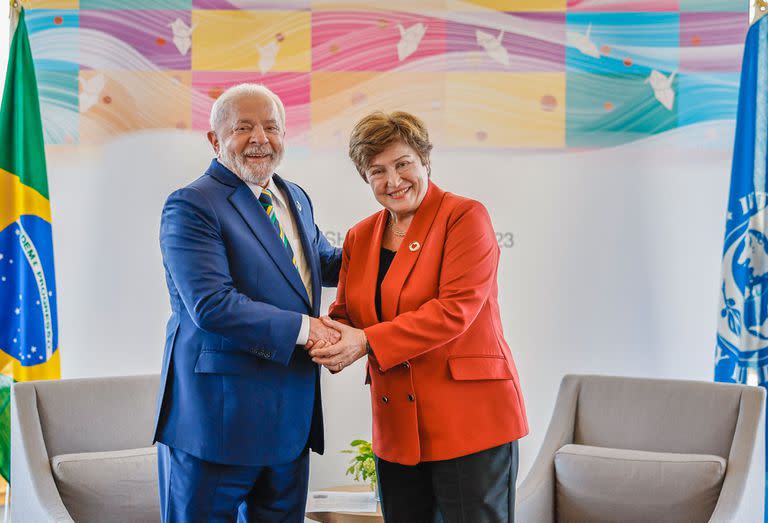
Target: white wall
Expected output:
[4,39]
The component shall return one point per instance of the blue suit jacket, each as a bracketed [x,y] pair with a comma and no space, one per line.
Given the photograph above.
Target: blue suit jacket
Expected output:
[235,389]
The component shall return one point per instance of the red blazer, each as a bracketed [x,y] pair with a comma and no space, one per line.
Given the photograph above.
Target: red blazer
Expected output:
[443,381]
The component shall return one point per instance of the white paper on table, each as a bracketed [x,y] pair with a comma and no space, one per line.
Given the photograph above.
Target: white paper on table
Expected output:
[327,501]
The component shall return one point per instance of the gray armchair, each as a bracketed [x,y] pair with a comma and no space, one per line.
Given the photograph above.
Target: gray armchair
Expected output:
[630,449]
[81,450]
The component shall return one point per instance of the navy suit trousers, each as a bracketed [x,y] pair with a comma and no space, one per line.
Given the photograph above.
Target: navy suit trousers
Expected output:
[195,490]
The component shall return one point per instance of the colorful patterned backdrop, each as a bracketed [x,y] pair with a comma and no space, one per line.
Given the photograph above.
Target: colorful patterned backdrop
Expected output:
[510,74]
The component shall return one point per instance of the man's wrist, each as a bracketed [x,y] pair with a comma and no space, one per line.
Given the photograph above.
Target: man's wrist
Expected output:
[303,336]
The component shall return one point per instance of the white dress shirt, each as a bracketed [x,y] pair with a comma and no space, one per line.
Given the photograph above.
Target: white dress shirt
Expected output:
[288,223]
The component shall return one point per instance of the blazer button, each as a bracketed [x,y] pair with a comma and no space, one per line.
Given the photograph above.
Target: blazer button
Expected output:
[381,371]
[407,365]
[411,397]
[385,399]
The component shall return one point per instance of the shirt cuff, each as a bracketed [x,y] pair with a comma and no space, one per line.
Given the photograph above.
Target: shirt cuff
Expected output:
[303,331]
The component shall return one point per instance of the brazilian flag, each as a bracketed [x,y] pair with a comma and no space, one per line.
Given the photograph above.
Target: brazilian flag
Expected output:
[28,321]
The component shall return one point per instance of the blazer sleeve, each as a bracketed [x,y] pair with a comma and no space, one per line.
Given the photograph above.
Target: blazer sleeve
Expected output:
[467,275]
[338,309]
[196,259]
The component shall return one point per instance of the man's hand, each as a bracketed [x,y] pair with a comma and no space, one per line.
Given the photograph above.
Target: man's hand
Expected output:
[321,335]
[345,352]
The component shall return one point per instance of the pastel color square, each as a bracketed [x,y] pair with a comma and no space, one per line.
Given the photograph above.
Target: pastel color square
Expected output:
[719,6]
[606,110]
[376,41]
[492,110]
[508,5]
[161,5]
[251,4]
[626,6]
[712,41]
[708,96]
[54,38]
[266,41]
[340,99]
[57,90]
[391,5]
[137,39]
[120,102]
[530,42]
[51,4]
[622,43]
[292,88]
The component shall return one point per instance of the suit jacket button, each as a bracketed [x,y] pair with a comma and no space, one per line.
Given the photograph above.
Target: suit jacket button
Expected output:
[381,371]
[411,397]
[385,399]
[407,365]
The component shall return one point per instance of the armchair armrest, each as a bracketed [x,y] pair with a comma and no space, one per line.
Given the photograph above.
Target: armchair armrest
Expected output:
[535,499]
[34,496]
[741,497]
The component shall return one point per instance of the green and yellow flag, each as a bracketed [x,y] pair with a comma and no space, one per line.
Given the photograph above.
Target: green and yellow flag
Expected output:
[28,321]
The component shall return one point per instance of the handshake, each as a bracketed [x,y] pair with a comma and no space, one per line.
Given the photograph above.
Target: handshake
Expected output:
[335,345]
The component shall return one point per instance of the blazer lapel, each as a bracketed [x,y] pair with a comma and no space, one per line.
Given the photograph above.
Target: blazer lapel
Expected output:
[253,213]
[408,252]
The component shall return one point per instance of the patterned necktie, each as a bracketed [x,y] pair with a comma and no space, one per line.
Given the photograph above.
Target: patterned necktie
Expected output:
[267,201]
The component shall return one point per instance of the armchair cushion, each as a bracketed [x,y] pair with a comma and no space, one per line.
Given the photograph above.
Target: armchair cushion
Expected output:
[109,486]
[596,484]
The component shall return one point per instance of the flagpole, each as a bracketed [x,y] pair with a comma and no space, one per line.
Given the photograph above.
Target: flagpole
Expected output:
[13,19]
[761,8]
[13,16]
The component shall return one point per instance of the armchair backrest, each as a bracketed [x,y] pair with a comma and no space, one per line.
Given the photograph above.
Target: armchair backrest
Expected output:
[96,414]
[657,415]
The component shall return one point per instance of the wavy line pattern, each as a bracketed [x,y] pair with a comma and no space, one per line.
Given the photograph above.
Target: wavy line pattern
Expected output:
[292,88]
[368,41]
[711,41]
[148,32]
[469,47]
[593,74]
[626,6]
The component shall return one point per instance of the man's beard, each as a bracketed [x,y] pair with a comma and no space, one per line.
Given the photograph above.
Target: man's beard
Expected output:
[256,174]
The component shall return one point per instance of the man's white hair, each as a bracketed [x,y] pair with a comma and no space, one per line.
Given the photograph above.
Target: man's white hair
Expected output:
[222,105]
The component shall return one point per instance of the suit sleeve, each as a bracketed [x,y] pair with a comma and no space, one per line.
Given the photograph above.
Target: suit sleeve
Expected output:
[338,309]
[467,275]
[195,256]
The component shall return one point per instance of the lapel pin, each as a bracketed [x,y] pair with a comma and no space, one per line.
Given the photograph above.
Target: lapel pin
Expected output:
[298,205]
[415,246]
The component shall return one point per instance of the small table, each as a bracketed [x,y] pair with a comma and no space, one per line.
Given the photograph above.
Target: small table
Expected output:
[348,517]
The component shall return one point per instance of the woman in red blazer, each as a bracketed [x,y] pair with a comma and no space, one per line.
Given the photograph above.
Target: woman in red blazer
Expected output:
[418,295]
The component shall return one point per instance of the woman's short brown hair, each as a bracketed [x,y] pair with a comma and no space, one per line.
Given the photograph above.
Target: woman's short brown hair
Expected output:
[379,130]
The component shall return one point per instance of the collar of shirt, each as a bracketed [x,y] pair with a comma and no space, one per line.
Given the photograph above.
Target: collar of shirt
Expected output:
[276,193]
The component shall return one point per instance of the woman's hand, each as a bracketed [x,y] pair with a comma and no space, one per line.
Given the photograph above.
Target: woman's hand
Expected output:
[350,348]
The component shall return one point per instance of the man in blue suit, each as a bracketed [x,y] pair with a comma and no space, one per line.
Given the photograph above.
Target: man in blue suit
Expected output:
[239,404]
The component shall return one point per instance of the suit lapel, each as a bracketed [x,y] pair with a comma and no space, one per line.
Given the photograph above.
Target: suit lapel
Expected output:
[409,251]
[309,256]
[253,213]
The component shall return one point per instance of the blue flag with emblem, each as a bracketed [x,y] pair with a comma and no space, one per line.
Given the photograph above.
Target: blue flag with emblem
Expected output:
[742,334]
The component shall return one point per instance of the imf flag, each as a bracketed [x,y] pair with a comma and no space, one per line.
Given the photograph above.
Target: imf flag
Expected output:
[28,332]
[742,337]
